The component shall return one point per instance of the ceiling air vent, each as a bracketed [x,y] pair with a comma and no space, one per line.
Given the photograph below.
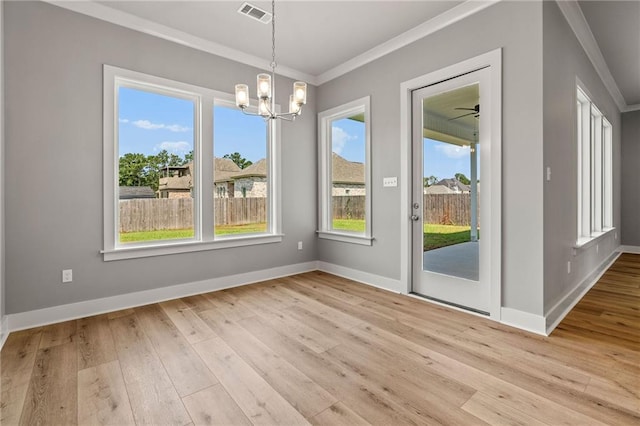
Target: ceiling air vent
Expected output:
[254,12]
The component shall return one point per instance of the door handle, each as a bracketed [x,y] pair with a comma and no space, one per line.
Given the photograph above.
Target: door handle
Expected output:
[415,217]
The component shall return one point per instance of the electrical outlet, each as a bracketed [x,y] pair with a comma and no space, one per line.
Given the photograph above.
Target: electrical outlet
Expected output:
[597,248]
[299,245]
[67,275]
[568,267]
[548,173]
[615,235]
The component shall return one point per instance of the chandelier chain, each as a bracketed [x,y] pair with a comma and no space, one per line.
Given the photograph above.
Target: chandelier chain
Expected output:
[273,35]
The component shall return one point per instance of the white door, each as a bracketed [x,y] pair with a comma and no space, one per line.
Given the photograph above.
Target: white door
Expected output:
[451,232]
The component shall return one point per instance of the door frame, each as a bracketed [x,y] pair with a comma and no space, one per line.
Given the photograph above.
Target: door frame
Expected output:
[493,60]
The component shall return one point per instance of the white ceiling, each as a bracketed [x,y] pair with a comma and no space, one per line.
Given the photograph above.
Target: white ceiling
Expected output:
[616,28]
[311,36]
[320,40]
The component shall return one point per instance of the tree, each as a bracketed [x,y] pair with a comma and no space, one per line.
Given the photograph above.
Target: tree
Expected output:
[240,161]
[136,169]
[428,181]
[132,170]
[463,179]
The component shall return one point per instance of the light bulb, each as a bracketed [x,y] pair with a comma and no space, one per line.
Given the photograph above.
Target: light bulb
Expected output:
[264,107]
[264,86]
[294,107]
[242,95]
[300,92]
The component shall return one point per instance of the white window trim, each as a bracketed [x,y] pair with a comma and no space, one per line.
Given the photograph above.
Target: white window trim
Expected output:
[204,238]
[594,179]
[325,215]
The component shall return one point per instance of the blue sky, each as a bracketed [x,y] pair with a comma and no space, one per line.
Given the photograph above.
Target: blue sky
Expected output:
[444,160]
[150,122]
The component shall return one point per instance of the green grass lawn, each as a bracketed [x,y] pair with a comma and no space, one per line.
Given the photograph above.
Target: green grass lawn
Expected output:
[176,234]
[435,236]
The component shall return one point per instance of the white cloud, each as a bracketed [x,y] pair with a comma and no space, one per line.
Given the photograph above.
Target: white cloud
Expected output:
[148,125]
[453,151]
[339,138]
[179,147]
[123,120]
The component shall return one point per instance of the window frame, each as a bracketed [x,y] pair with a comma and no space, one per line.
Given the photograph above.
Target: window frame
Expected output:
[325,184]
[204,222]
[595,170]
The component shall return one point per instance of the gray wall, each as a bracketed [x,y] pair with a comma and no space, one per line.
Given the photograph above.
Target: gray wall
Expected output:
[564,60]
[53,163]
[2,286]
[517,28]
[630,230]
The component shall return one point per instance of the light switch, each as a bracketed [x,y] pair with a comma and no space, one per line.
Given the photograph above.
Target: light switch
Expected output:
[390,181]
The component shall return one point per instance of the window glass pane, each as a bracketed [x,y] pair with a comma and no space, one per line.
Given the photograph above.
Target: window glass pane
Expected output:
[348,190]
[241,181]
[155,142]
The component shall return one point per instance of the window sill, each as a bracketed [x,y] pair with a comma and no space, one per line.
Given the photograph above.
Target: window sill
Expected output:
[136,251]
[346,238]
[586,242]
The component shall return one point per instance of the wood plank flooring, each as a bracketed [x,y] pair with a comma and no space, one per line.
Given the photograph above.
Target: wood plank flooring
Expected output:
[319,349]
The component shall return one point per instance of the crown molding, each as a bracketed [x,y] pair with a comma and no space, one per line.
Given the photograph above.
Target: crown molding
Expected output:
[578,23]
[127,20]
[437,23]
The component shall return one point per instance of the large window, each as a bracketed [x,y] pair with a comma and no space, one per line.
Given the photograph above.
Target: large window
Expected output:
[344,182]
[595,184]
[168,191]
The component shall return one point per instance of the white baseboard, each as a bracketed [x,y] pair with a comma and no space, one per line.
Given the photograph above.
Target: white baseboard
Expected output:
[361,276]
[560,310]
[629,249]
[4,330]
[523,320]
[24,320]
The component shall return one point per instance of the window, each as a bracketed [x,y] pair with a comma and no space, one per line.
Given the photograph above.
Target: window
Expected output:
[165,191]
[241,146]
[345,173]
[595,196]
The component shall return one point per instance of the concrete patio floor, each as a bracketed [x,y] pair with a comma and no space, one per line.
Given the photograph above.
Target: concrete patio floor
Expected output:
[459,260]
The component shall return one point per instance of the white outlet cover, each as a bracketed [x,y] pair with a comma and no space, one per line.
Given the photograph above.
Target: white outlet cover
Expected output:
[67,275]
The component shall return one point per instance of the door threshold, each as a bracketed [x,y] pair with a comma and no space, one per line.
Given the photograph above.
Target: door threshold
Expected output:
[450,304]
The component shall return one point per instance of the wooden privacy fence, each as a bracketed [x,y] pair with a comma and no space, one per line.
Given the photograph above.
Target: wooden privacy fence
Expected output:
[348,207]
[166,213]
[448,209]
[443,209]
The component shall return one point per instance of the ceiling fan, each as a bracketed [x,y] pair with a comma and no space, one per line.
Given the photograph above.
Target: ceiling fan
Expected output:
[475,112]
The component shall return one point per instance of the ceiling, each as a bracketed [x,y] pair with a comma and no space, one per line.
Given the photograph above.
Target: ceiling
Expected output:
[320,40]
[616,28]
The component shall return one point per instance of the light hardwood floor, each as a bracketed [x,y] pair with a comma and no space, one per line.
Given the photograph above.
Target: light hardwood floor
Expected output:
[319,349]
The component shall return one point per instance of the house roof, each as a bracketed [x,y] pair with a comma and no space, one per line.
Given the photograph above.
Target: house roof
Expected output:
[224,169]
[438,189]
[258,169]
[131,192]
[454,184]
[345,171]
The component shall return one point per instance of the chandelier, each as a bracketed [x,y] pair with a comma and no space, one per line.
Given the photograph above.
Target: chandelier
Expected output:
[267,90]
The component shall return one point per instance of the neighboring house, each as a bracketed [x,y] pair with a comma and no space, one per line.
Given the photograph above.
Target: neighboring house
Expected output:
[223,172]
[133,192]
[175,182]
[448,186]
[229,180]
[347,177]
[252,181]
